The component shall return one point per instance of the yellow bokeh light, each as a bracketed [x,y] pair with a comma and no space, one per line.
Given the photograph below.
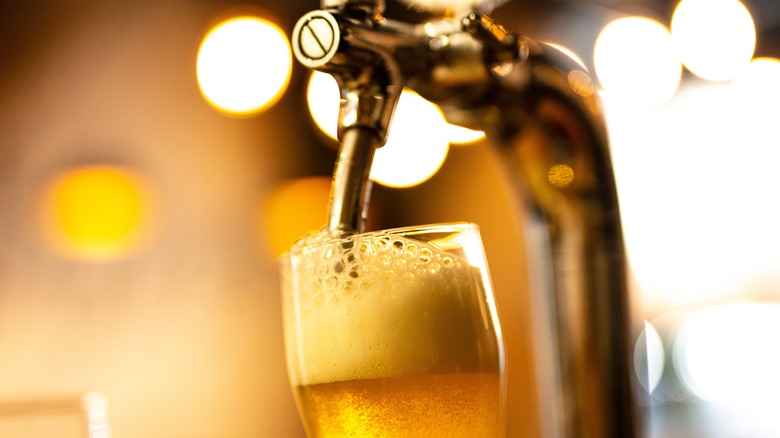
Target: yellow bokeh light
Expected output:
[244,65]
[560,176]
[96,213]
[636,63]
[715,38]
[415,147]
[294,209]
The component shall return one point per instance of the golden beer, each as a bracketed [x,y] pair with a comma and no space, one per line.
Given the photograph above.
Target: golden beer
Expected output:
[452,405]
[394,334]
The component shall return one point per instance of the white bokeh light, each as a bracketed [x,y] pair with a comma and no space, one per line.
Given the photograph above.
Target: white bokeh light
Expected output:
[244,65]
[649,358]
[696,196]
[418,140]
[322,96]
[715,38]
[635,62]
[415,147]
[728,353]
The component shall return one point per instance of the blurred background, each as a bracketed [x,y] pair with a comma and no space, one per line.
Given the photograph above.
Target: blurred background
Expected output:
[157,156]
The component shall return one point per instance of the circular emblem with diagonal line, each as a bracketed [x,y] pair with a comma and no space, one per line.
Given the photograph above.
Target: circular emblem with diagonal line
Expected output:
[315,38]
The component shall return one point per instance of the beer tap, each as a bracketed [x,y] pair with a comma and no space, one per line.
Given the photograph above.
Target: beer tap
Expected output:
[542,116]
[349,40]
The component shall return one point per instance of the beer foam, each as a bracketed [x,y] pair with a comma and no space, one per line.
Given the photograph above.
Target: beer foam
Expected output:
[353,267]
[379,305]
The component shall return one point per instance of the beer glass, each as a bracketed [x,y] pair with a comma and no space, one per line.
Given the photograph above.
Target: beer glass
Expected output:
[394,334]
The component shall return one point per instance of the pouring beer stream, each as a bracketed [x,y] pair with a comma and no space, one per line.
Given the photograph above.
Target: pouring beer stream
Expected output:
[542,117]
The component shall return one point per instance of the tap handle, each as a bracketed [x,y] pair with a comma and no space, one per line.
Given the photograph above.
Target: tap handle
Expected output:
[359,51]
[342,40]
[316,39]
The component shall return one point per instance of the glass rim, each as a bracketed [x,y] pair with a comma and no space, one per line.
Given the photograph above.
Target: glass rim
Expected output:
[407,231]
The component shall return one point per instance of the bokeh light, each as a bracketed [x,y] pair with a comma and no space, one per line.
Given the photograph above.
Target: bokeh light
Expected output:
[97,213]
[696,195]
[459,135]
[418,140]
[322,96]
[760,78]
[715,39]
[415,147]
[635,62]
[729,353]
[649,358]
[756,92]
[294,209]
[244,65]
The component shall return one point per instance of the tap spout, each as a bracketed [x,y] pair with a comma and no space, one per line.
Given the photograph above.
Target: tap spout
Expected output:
[351,187]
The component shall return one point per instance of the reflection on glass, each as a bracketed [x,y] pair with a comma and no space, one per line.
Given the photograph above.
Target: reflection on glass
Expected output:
[394,333]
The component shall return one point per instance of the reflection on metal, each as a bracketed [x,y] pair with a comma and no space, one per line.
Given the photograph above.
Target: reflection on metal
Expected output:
[560,176]
[521,93]
[581,83]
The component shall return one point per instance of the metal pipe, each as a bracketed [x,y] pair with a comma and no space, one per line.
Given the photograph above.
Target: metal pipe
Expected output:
[351,187]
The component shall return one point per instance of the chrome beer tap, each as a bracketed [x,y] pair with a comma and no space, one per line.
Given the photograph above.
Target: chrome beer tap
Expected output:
[542,116]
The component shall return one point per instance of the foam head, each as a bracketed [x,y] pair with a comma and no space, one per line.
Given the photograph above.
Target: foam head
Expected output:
[380,305]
